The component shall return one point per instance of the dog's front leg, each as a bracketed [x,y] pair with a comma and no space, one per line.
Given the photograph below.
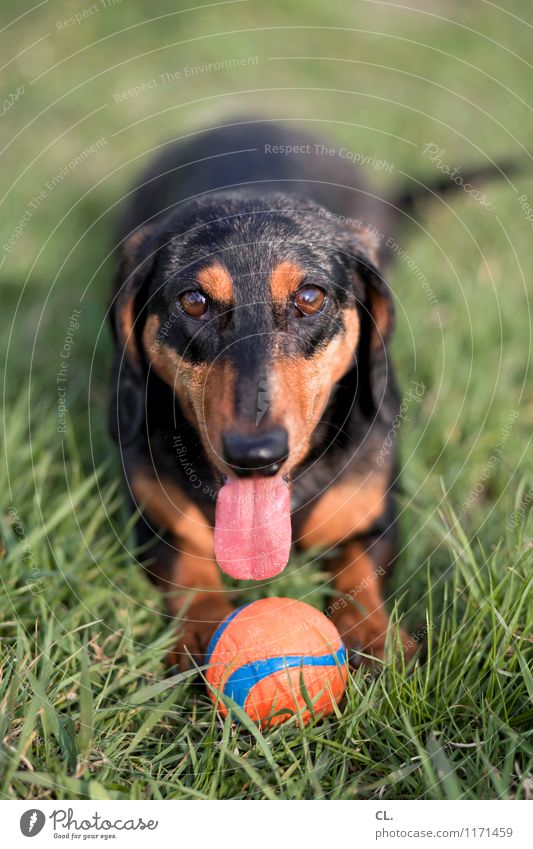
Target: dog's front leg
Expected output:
[358,608]
[179,557]
[198,602]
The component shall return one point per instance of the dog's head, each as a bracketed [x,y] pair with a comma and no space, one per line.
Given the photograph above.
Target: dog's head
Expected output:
[252,310]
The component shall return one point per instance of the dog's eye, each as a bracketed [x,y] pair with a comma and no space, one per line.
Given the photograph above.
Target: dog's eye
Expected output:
[194,303]
[309,300]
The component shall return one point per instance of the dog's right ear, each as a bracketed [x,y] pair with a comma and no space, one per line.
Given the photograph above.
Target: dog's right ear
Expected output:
[137,261]
[126,414]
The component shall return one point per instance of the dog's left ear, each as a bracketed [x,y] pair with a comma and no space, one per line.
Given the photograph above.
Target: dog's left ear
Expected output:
[377,390]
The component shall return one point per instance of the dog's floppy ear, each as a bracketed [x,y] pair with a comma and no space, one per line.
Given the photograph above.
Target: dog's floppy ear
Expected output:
[376,386]
[127,402]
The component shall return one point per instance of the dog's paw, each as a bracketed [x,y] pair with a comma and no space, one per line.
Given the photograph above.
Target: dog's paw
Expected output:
[367,640]
[195,631]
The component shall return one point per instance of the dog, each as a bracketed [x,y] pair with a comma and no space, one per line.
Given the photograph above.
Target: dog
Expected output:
[252,389]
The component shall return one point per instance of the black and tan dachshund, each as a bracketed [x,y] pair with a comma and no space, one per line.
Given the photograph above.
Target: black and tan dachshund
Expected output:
[252,387]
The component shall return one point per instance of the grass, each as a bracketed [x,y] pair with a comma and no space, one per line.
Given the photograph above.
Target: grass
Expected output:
[86,711]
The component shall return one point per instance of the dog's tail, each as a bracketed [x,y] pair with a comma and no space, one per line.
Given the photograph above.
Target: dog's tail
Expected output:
[452,180]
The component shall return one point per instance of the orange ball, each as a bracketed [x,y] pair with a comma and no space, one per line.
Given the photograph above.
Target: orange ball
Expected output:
[260,653]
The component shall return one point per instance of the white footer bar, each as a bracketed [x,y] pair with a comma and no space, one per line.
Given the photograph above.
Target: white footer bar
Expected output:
[276,825]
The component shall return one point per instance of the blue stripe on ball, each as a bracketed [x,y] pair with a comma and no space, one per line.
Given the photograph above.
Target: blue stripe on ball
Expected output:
[241,681]
[220,630]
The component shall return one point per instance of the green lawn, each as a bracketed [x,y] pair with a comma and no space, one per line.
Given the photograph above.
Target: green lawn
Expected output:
[85,708]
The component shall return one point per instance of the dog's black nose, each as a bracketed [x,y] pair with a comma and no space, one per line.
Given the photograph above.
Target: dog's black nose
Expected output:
[260,454]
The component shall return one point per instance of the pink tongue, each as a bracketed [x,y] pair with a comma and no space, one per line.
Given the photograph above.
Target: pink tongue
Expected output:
[253,528]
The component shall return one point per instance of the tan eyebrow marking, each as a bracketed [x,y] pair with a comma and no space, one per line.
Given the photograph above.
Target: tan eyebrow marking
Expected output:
[285,279]
[216,282]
